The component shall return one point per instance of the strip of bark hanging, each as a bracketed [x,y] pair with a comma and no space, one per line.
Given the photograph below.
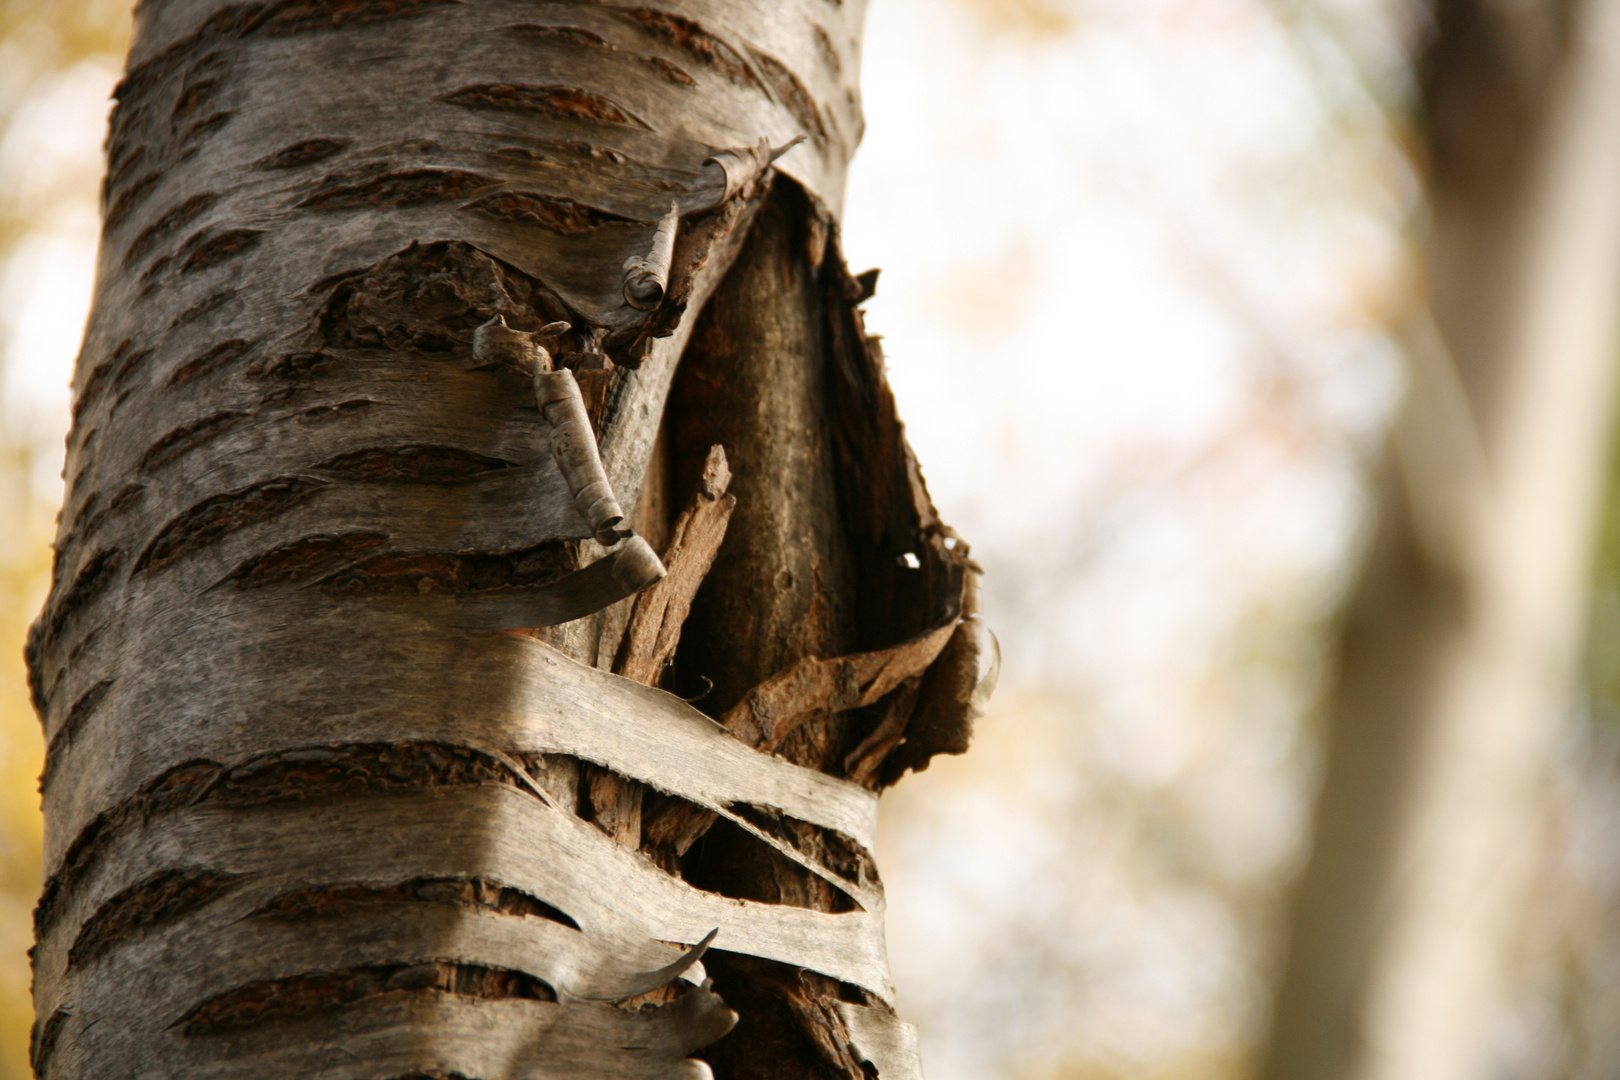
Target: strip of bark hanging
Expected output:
[647,276]
[743,168]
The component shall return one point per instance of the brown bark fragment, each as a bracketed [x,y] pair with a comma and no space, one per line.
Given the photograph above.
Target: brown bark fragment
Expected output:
[654,629]
[613,803]
[781,705]
[864,763]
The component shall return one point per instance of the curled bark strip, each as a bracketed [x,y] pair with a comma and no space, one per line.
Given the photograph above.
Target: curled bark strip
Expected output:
[655,624]
[159,899]
[497,345]
[647,276]
[573,444]
[744,169]
[676,968]
[622,572]
[302,995]
[813,687]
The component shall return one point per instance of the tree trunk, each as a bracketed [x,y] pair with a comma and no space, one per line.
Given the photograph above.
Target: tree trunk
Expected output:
[1460,644]
[365,756]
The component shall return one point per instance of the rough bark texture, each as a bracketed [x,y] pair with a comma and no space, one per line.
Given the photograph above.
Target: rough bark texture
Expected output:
[1460,641]
[339,782]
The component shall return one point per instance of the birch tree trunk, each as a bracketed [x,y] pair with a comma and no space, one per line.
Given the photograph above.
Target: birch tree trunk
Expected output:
[1460,645]
[381,744]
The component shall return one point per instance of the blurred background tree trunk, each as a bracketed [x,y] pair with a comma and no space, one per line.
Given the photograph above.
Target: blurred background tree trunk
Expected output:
[1459,655]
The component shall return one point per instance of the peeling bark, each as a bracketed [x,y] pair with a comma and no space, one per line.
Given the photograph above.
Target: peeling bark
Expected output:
[366,758]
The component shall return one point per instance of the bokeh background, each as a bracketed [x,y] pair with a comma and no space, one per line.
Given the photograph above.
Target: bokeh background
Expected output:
[1156,277]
